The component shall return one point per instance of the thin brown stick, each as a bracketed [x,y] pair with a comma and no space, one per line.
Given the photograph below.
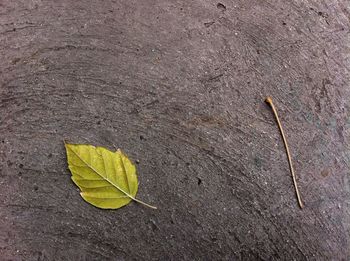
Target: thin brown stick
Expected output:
[268,100]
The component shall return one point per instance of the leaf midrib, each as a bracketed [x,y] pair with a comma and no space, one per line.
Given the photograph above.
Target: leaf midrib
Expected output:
[91,167]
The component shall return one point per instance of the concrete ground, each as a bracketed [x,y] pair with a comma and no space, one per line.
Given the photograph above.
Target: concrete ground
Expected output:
[180,87]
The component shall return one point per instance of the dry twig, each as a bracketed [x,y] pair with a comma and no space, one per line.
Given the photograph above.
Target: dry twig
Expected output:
[268,100]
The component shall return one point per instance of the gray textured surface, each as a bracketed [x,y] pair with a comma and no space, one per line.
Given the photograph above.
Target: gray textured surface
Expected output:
[179,86]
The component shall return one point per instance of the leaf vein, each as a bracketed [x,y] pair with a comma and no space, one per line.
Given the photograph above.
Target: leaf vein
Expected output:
[104,197]
[124,170]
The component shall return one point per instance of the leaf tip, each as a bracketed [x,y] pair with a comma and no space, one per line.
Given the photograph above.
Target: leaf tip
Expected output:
[66,144]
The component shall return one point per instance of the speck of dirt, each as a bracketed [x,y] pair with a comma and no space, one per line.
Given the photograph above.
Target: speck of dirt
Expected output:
[16,60]
[221,7]
[325,173]
[208,24]
[153,225]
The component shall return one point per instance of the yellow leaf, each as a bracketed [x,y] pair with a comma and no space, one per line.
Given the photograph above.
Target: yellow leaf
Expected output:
[106,179]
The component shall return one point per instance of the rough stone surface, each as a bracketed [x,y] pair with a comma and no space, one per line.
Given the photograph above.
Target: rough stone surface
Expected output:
[179,86]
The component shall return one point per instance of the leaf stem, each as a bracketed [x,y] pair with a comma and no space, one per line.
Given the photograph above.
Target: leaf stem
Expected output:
[268,100]
[143,203]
